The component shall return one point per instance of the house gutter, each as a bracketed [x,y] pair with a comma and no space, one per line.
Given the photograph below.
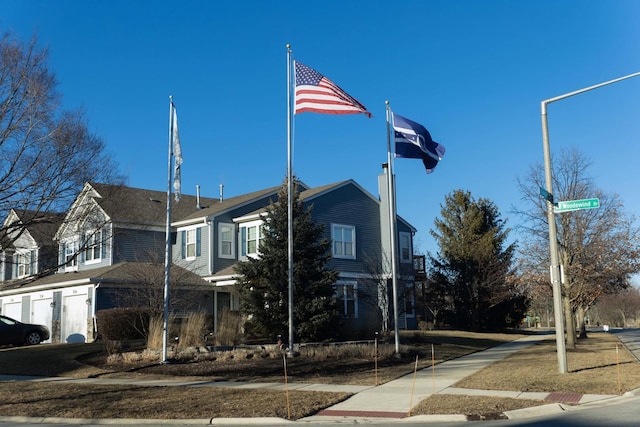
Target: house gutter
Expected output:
[211,243]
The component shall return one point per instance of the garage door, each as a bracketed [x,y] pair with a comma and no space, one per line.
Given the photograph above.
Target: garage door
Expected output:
[74,318]
[41,312]
[13,310]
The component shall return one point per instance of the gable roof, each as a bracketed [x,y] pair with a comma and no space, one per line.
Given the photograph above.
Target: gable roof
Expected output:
[309,194]
[41,226]
[218,207]
[144,206]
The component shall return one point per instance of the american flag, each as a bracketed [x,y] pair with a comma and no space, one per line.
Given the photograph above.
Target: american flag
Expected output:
[317,94]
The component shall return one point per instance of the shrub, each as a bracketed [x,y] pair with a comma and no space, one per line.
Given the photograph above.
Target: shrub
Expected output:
[124,323]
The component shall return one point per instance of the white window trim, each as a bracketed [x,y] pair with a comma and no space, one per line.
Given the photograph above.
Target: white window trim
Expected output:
[232,255]
[29,264]
[89,246]
[194,243]
[259,224]
[400,247]
[72,266]
[344,309]
[353,241]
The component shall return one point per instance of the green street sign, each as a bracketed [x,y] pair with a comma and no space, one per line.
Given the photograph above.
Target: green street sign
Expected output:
[546,195]
[574,205]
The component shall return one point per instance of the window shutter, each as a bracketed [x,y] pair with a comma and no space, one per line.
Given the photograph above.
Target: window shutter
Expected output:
[183,237]
[32,262]
[198,234]
[243,241]
[103,245]
[83,246]
[63,251]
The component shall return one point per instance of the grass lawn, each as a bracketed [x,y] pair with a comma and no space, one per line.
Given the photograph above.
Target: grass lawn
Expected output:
[599,365]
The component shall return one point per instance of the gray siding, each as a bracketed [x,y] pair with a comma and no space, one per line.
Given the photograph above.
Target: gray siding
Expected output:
[138,246]
[199,265]
[227,217]
[349,206]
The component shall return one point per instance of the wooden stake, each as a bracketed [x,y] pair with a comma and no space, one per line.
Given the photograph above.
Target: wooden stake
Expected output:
[415,371]
[286,386]
[618,366]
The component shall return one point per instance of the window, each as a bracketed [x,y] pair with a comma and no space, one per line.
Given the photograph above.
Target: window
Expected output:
[250,236]
[226,242]
[344,241]
[409,300]
[191,244]
[347,296]
[69,253]
[25,260]
[405,247]
[93,247]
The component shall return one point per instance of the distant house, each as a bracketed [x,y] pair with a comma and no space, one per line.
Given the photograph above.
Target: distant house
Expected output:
[109,250]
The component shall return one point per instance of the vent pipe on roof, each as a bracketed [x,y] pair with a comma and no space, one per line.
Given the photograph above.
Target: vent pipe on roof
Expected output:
[221,192]
[198,197]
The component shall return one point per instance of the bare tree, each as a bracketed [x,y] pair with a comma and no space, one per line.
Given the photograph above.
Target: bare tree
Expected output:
[619,309]
[598,248]
[46,153]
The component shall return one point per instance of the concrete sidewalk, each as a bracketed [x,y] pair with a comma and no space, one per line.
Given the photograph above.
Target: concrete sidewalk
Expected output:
[392,400]
[396,398]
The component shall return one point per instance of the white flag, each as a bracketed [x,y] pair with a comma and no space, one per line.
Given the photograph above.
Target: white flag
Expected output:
[177,152]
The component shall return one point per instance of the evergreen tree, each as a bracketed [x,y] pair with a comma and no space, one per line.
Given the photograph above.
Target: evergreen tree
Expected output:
[263,282]
[476,263]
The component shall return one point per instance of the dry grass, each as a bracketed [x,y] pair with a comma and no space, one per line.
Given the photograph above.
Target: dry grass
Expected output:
[599,365]
[108,401]
[595,368]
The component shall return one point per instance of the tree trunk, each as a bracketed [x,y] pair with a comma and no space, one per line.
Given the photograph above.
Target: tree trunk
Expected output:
[570,328]
[580,314]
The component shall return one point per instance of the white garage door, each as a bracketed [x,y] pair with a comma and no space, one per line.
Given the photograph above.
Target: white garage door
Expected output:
[13,310]
[41,313]
[74,318]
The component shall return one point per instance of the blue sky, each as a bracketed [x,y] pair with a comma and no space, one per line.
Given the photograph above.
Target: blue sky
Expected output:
[472,72]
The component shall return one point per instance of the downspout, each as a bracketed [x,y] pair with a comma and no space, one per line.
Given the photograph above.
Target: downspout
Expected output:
[93,310]
[211,223]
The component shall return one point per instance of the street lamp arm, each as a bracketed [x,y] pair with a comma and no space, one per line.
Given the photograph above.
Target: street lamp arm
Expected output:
[544,103]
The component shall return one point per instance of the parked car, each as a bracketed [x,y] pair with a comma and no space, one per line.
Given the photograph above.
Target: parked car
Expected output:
[18,333]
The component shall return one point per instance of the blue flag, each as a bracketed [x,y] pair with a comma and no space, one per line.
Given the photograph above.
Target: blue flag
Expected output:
[413,141]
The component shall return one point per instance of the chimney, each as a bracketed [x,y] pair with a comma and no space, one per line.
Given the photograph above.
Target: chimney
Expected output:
[198,197]
[221,191]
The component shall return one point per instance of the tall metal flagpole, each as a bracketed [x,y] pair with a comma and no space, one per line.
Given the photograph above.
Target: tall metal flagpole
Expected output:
[290,198]
[167,256]
[392,226]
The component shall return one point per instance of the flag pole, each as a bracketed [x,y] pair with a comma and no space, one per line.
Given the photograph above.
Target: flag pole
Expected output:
[290,199]
[392,228]
[167,257]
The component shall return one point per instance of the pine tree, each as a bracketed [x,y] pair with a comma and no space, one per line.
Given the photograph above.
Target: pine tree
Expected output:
[476,262]
[263,281]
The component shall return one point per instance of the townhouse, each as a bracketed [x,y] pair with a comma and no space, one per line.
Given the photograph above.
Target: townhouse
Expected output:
[108,251]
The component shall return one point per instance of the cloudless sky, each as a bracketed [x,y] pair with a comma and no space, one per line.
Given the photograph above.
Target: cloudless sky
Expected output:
[472,72]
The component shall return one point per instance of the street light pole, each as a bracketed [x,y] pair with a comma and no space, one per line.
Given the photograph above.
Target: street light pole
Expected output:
[553,239]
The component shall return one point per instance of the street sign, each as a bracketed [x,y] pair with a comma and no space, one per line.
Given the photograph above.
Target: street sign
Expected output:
[574,205]
[546,195]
